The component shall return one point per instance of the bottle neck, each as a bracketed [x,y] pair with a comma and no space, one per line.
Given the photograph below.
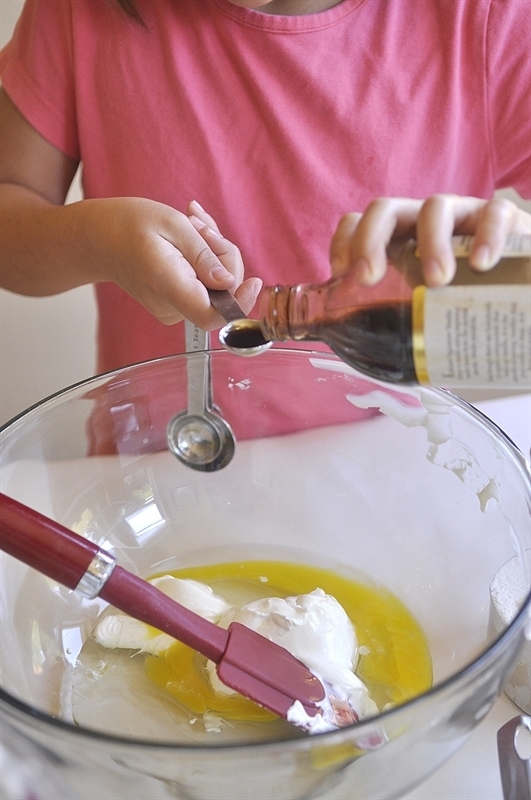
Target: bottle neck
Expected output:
[295,312]
[302,311]
[273,311]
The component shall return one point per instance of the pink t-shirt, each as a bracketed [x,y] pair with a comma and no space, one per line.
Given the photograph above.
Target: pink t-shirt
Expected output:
[276,125]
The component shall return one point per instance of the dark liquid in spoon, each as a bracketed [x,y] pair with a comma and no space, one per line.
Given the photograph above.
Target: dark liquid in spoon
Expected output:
[245,338]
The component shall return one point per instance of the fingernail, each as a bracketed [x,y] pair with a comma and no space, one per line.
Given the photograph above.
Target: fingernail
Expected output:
[197,205]
[219,273]
[212,232]
[434,272]
[196,222]
[481,258]
[363,272]
[200,225]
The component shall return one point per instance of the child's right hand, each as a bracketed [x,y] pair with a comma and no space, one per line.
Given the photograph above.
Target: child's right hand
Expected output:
[166,259]
[163,258]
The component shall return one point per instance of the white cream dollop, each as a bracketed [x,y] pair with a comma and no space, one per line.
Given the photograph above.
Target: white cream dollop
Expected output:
[312,627]
[120,630]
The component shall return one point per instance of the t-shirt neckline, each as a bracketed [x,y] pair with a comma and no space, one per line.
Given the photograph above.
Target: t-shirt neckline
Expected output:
[287,24]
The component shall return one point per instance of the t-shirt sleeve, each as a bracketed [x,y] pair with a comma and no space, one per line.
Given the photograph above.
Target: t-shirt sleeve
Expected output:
[508,82]
[37,72]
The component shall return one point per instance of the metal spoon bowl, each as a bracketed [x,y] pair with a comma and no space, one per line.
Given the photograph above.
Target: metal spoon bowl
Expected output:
[198,436]
[203,442]
[244,337]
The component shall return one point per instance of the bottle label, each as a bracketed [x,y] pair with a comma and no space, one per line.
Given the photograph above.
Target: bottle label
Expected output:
[516,245]
[473,336]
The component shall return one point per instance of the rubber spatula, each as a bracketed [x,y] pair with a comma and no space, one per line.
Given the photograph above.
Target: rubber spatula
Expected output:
[245,661]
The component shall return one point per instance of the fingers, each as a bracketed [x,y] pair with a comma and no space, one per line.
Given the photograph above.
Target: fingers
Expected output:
[488,221]
[496,219]
[183,262]
[229,255]
[343,255]
[214,259]
[199,257]
[439,218]
[247,293]
[360,240]
[195,209]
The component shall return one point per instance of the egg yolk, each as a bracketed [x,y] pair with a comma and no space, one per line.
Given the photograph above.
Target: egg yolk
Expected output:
[394,660]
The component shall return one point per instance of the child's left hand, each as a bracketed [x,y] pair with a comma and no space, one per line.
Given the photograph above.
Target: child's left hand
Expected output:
[360,240]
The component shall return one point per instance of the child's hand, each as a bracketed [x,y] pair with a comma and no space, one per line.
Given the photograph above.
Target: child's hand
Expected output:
[165,259]
[360,239]
[228,254]
[161,257]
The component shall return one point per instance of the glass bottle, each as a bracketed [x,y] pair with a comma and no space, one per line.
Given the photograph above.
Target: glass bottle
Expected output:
[475,332]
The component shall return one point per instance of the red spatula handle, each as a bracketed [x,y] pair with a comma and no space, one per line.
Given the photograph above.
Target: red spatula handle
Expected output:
[64,556]
[44,544]
[145,602]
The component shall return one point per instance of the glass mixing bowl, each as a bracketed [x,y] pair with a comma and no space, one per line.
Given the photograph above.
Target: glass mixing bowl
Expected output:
[411,487]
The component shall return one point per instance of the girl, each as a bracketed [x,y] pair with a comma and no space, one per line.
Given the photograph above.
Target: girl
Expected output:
[277,117]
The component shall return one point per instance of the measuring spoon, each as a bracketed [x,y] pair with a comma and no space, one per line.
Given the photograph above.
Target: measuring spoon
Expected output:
[199,437]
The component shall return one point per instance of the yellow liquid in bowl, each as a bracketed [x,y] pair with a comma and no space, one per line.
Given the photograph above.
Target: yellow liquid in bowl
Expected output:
[394,661]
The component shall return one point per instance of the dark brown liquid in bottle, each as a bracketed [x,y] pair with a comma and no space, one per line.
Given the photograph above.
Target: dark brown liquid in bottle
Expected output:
[376,340]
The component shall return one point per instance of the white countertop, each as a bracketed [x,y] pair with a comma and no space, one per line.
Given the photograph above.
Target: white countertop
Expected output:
[473,772]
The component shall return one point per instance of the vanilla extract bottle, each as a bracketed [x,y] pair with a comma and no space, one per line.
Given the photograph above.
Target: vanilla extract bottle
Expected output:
[475,332]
